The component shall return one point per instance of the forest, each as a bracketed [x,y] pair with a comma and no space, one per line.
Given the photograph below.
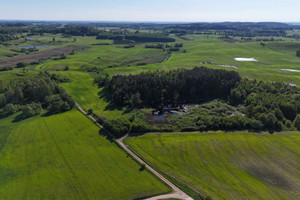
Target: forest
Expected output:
[233,103]
[32,95]
[176,86]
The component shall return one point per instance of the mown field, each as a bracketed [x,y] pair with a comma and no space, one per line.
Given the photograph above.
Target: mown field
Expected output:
[64,157]
[234,165]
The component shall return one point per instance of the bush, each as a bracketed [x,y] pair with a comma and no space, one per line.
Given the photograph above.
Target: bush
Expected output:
[90,111]
[30,110]
[140,127]
[21,65]
[10,109]
[118,127]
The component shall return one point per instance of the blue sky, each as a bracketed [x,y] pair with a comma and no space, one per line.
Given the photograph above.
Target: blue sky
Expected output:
[152,10]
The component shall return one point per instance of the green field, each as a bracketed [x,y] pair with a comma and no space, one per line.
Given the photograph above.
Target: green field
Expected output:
[64,157]
[85,92]
[234,165]
[271,59]
[115,59]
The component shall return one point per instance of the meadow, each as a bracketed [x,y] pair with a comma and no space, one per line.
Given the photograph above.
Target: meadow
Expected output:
[63,156]
[227,165]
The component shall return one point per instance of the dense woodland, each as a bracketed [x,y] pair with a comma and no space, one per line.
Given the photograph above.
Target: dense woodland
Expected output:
[273,104]
[241,104]
[32,95]
[177,86]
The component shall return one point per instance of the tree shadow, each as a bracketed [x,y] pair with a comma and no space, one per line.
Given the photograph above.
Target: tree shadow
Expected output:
[19,118]
[106,96]
[3,116]
[106,135]
[142,168]
[47,114]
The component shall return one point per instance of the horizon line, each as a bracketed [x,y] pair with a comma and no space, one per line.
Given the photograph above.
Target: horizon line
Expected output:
[116,21]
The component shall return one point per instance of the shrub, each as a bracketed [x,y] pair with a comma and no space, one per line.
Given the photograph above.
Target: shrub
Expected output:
[21,65]
[30,110]
[118,127]
[10,109]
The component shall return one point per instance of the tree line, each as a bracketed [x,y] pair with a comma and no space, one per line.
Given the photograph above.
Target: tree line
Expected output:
[31,95]
[136,37]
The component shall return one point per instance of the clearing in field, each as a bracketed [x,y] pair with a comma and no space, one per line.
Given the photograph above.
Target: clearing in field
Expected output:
[236,165]
[64,157]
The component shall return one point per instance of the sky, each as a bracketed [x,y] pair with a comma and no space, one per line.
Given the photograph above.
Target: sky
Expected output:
[152,10]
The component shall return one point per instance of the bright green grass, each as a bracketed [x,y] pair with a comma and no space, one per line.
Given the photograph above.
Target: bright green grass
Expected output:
[64,157]
[235,165]
[85,93]
[271,59]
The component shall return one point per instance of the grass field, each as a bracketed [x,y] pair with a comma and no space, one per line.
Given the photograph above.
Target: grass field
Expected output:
[64,157]
[86,94]
[235,165]
[115,59]
[271,59]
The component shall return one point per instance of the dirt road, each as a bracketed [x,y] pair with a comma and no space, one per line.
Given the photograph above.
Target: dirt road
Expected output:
[177,193]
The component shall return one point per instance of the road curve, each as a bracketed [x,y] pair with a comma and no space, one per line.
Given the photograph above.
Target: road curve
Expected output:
[176,193]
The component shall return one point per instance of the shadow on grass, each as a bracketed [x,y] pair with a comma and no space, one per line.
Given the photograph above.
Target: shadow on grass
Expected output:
[104,94]
[19,118]
[107,136]
[2,116]
[142,168]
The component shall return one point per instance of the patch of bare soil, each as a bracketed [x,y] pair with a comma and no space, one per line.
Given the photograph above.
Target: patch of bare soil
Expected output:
[269,176]
[34,57]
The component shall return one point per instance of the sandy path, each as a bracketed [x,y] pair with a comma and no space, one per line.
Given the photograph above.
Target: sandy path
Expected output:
[177,193]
